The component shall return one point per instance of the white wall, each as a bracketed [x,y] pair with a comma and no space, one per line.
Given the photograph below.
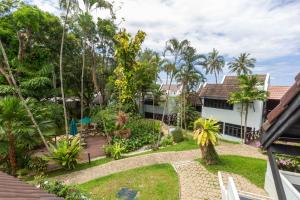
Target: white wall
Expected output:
[234,116]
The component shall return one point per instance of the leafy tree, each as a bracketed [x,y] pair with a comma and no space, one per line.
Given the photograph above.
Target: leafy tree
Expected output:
[214,64]
[127,50]
[250,91]
[206,133]
[242,65]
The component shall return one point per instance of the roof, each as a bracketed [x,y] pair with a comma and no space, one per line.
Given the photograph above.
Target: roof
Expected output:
[173,87]
[218,91]
[284,119]
[222,91]
[277,92]
[12,188]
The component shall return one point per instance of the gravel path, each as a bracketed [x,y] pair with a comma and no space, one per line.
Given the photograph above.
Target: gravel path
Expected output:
[151,159]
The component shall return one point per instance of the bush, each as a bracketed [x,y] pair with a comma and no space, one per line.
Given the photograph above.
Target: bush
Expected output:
[107,150]
[65,153]
[167,140]
[143,132]
[116,151]
[60,190]
[288,163]
[177,135]
[37,164]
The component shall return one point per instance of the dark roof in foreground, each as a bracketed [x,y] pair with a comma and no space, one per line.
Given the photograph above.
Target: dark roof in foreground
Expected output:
[284,120]
[12,188]
[222,91]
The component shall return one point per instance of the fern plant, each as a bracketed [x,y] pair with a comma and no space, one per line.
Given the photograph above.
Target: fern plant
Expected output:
[206,133]
[65,153]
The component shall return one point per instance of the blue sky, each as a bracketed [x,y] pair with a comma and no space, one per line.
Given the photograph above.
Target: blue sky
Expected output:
[267,29]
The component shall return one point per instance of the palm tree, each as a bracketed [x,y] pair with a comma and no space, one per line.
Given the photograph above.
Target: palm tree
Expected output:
[67,5]
[175,48]
[19,93]
[11,110]
[206,133]
[188,76]
[214,64]
[250,91]
[242,65]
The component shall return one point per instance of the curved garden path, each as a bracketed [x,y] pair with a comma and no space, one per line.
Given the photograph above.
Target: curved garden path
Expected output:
[195,181]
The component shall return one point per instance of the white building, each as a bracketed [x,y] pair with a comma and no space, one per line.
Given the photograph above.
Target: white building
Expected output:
[214,105]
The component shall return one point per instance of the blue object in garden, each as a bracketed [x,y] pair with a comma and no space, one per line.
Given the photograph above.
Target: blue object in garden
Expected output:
[73,127]
[127,194]
[85,120]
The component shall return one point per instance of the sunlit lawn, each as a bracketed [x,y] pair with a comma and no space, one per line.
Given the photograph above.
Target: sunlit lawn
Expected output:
[156,182]
[251,168]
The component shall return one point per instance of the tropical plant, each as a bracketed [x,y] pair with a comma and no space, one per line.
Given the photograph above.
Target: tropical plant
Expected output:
[206,133]
[37,165]
[65,152]
[250,90]
[214,64]
[166,141]
[177,135]
[242,65]
[116,150]
[11,113]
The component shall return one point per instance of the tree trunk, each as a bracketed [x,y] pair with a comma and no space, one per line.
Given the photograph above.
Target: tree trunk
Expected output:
[94,73]
[209,154]
[246,119]
[61,71]
[81,91]
[216,78]
[35,124]
[12,150]
[242,110]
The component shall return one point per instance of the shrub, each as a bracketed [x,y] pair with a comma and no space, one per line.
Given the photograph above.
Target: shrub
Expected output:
[116,151]
[65,153]
[288,163]
[37,164]
[60,190]
[177,135]
[107,150]
[167,140]
[22,172]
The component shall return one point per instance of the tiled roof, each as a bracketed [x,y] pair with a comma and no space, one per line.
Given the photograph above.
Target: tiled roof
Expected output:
[173,87]
[218,91]
[277,92]
[292,92]
[223,91]
[12,188]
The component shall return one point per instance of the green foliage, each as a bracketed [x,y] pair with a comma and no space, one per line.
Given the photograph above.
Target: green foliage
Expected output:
[116,151]
[288,163]
[177,135]
[37,165]
[166,141]
[242,65]
[143,132]
[66,152]
[214,63]
[58,188]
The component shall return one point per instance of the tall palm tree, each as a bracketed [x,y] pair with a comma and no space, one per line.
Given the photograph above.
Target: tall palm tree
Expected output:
[175,48]
[66,5]
[189,76]
[19,93]
[11,110]
[249,92]
[206,133]
[242,65]
[214,64]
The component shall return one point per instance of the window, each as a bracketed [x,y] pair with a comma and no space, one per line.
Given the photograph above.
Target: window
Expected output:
[217,103]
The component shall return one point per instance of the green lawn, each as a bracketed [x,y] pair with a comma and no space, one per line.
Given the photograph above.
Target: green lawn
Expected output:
[251,168]
[156,182]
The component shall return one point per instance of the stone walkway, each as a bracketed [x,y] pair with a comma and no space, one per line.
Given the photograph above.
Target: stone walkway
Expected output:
[196,183]
[151,159]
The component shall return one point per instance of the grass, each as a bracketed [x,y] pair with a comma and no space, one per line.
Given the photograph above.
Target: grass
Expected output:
[251,168]
[152,182]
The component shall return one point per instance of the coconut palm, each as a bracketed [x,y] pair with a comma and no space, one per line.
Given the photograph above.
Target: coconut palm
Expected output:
[11,111]
[249,92]
[206,133]
[214,64]
[242,65]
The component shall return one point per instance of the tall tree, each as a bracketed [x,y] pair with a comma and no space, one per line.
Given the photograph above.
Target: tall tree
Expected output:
[174,48]
[249,92]
[214,64]
[189,76]
[242,65]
